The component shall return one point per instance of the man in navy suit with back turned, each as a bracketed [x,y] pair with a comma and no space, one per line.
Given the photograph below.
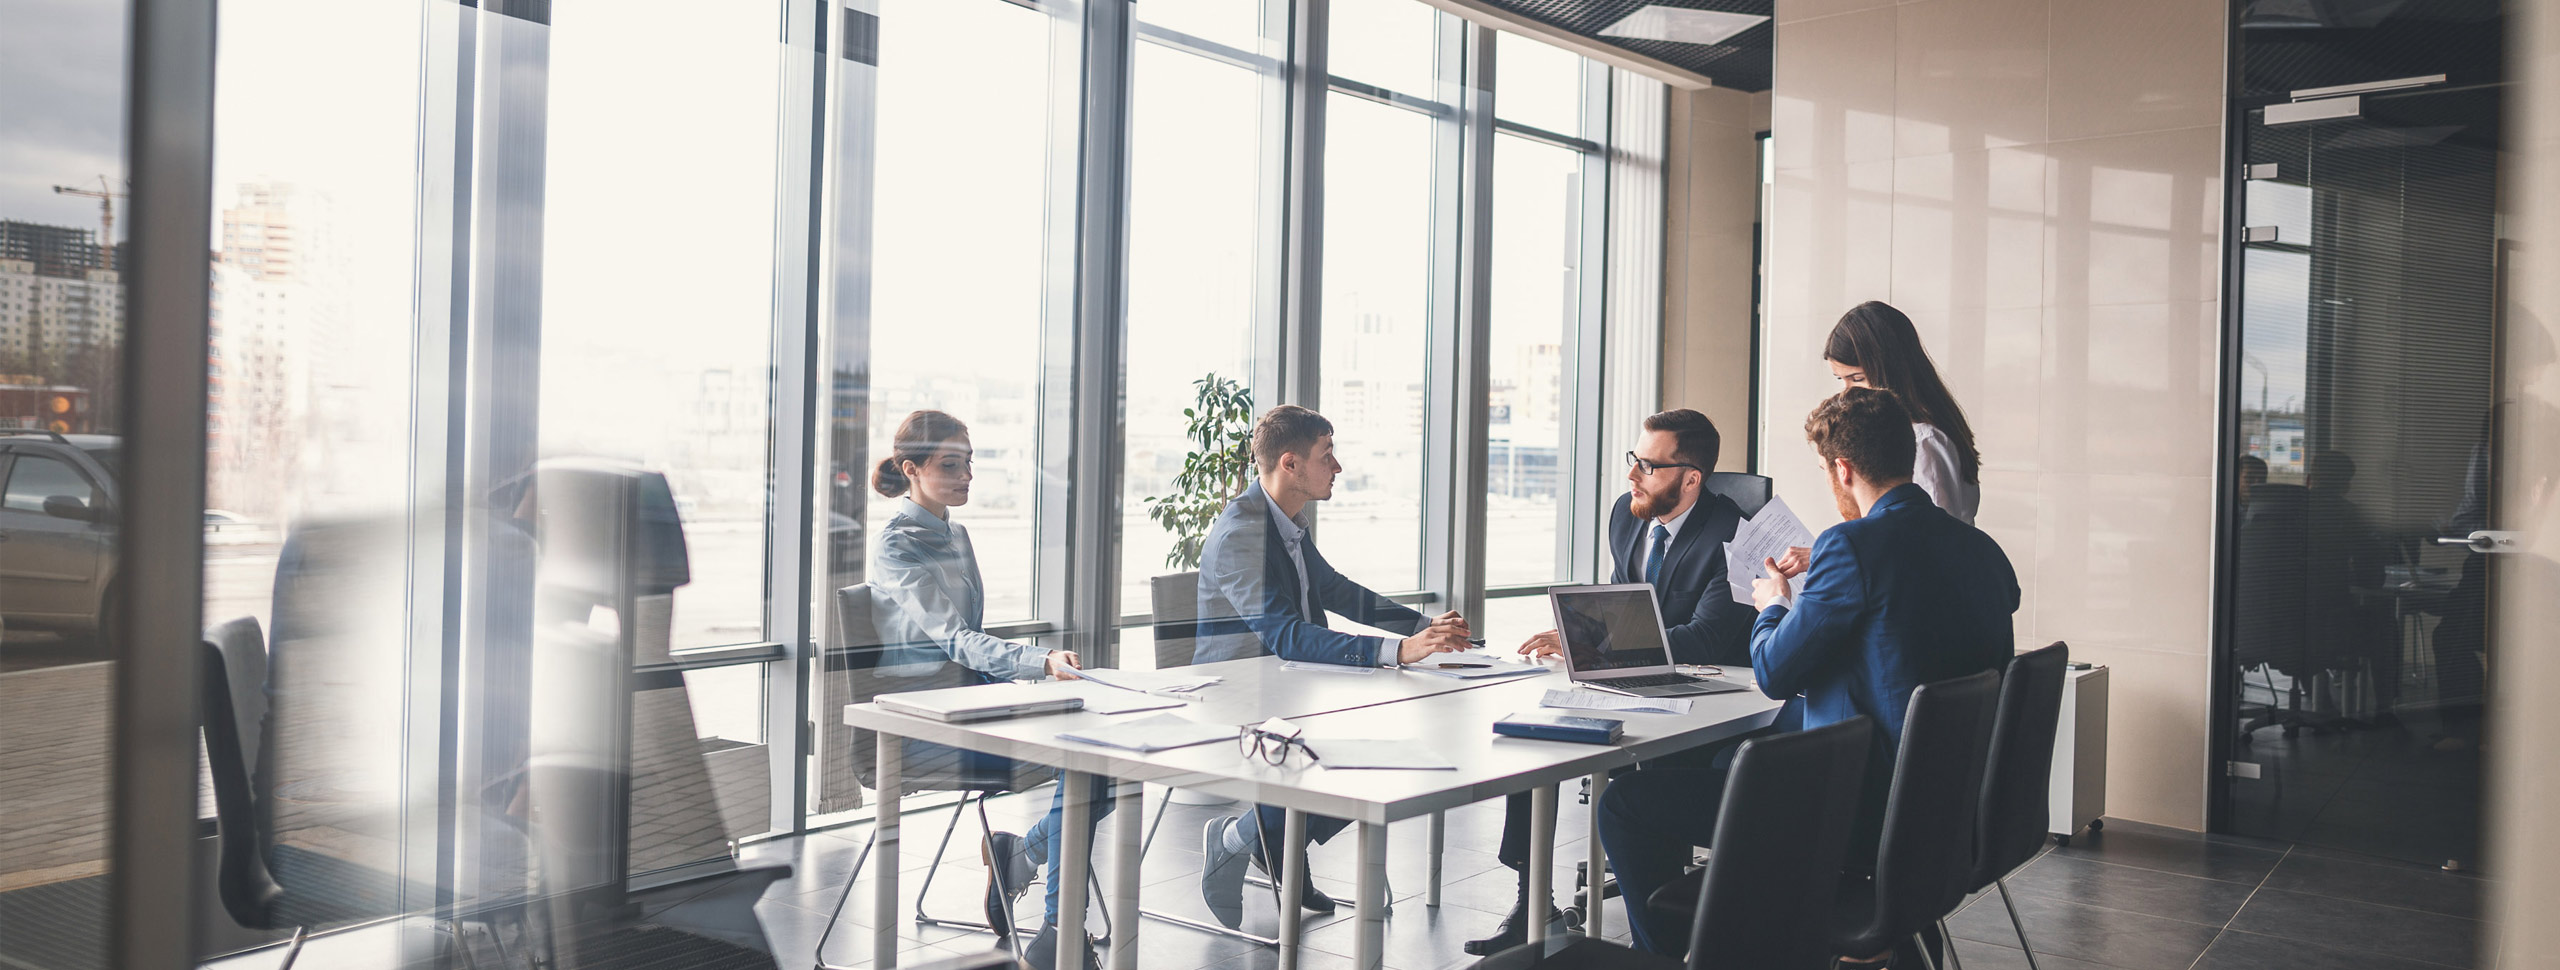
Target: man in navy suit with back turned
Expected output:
[1264,590]
[1899,594]
[1670,531]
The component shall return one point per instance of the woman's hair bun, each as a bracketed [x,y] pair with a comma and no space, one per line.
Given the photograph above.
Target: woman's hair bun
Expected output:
[888,480]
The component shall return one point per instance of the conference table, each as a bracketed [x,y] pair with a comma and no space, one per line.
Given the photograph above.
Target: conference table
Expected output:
[1446,716]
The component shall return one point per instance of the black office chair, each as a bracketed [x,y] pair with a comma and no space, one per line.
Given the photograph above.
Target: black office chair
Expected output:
[1764,900]
[2010,827]
[232,662]
[1927,846]
[248,890]
[926,767]
[1744,489]
[1176,599]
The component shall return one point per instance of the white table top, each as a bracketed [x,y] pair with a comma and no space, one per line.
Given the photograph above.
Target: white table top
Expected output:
[1453,718]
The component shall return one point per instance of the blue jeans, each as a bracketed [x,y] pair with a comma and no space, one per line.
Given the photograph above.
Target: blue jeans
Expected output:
[1043,843]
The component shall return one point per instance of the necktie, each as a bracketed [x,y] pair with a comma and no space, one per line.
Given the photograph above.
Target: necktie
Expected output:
[1653,560]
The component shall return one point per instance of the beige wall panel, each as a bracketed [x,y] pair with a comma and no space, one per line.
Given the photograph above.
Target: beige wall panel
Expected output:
[2155,741]
[1970,75]
[1833,90]
[2120,559]
[2038,184]
[2123,67]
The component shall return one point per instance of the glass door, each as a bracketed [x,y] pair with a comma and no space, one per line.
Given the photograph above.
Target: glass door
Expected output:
[2356,658]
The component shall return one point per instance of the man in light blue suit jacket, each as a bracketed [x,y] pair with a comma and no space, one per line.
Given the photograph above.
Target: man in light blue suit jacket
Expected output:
[1265,590]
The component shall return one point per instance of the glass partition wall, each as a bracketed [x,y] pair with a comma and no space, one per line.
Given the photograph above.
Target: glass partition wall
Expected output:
[555,351]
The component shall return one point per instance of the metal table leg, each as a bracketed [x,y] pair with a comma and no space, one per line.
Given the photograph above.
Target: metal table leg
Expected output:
[1369,946]
[1439,838]
[1598,864]
[1293,882]
[1075,860]
[1127,851]
[884,834]
[1542,858]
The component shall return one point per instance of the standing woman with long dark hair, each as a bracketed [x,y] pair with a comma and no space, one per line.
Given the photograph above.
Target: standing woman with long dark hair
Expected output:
[1875,345]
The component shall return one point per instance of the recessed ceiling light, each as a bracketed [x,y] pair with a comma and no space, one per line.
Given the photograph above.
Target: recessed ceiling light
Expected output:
[1681,25]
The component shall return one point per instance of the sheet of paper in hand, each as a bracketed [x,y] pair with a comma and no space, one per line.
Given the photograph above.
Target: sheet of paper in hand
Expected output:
[1761,537]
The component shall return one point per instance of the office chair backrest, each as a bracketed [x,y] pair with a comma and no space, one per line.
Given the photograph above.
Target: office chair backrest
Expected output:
[1744,489]
[1790,802]
[1927,846]
[1176,600]
[247,889]
[925,767]
[2015,796]
[244,659]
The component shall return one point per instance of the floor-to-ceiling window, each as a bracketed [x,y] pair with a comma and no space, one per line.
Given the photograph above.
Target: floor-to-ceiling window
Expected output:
[1380,237]
[1203,267]
[556,347]
[1542,166]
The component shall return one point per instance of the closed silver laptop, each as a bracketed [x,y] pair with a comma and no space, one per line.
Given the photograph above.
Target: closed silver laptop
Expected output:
[1614,641]
[980,702]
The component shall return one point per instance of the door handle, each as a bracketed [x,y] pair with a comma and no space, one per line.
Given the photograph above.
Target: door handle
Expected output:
[2486,541]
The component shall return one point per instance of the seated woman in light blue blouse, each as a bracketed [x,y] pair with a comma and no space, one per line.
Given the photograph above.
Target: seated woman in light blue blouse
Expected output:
[925,573]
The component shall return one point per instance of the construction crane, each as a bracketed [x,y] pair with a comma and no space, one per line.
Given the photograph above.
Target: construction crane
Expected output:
[106,196]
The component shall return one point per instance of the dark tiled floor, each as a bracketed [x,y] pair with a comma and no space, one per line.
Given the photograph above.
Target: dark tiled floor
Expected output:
[2137,896]
[2130,897]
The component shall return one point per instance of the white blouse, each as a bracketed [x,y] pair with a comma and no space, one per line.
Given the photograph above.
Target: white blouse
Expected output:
[1939,470]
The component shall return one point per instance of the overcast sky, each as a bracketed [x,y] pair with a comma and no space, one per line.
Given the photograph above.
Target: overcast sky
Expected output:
[62,118]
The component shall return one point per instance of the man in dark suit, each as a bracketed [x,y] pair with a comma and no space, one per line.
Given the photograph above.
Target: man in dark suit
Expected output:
[1897,595]
[1670,531]
[1264,590]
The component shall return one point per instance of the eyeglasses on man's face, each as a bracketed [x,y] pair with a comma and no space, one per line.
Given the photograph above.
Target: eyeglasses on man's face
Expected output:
[1647,467]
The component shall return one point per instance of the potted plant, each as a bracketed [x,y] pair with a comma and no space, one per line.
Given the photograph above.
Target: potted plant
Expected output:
[1218,468]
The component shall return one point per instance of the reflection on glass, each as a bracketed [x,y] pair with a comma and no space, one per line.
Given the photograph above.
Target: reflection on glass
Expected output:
[1387,43]
[481,460]
[1235,23]
[668,369]
[1511,620]
[957,272]
[2364,411]
[1377,303]
[1536,306]
[1539,85]
[1195,268]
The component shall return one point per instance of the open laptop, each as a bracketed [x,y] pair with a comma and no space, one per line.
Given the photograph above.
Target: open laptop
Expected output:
[1613,640]
[981,702]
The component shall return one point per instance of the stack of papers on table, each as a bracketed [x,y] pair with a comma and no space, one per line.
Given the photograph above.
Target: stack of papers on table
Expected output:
[1476,667]
[1345,755]
[1100,699]
[1150,681]
[1162,732]
[1593,700]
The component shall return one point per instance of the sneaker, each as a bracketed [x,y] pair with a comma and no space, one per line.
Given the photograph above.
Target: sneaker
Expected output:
[1042,954]
[1221,874]
[1008,875]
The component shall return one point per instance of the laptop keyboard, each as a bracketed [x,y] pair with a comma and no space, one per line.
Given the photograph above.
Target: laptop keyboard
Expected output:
[1648,680]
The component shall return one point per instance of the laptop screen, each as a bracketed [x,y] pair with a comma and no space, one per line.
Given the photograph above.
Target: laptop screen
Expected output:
[1610,627]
